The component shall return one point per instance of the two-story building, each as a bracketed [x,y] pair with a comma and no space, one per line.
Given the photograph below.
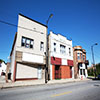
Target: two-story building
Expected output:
[60,57]
[80,62]
[28,58]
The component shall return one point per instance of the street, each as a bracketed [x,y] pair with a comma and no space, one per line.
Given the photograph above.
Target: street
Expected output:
[86,90]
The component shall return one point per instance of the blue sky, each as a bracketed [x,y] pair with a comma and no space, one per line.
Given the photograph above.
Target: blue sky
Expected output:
[75,19]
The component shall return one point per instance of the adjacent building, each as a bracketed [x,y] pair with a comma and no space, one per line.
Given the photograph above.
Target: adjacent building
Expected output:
[80,62]
[28,58]
[60,57]
[3,67]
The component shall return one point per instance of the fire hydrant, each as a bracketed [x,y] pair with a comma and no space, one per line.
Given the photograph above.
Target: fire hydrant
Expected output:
[81,77]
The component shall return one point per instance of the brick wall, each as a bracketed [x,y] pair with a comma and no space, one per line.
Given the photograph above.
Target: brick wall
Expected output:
[53,72]
[65,72]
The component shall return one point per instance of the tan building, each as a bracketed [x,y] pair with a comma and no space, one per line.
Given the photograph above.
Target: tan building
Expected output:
[80,62]
[28,50]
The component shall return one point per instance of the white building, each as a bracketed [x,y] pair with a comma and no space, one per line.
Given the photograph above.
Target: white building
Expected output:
[3,67]
[28,51]
[60,57]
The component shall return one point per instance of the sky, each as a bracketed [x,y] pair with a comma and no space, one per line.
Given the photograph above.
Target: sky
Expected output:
[78,20]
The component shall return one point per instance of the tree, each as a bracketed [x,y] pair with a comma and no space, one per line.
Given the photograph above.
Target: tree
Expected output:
[90,72]
[97,69]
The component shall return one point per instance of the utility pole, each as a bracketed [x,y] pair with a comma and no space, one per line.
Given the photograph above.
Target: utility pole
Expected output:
[46,68]
[93,59]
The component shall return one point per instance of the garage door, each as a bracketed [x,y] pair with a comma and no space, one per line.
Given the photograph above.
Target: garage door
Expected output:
[24,71]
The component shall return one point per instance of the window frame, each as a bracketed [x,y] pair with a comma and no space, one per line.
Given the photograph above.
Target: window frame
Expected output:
[26,44]
[41,47]
[78,56]
[62,49]
[69,51]
[54,45]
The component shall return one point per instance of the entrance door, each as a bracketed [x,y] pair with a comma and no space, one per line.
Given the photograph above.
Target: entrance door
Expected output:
[70,71]
[57,72]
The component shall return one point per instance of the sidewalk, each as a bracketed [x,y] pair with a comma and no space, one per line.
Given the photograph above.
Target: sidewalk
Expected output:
[36,82]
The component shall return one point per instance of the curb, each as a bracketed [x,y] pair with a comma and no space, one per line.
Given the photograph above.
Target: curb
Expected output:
[24,85]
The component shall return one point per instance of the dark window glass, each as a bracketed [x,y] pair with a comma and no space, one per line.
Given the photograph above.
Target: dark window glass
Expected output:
[41,46]
[31,44]
[69,51]
[84,71]
[23,41]
[54,47]
[81,71]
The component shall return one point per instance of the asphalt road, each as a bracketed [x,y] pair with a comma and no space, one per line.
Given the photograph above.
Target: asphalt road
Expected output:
[88,90]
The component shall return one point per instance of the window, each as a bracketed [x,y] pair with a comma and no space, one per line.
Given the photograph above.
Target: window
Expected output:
[78,56]
[54,47]
[62,49]
[31,43]
[80,71]
[81,56]
[69,51]
[80,65]
[23,41]
[26,42]
[41,46]
[84,71]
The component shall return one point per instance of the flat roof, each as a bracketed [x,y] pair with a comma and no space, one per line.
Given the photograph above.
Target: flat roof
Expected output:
[32,20]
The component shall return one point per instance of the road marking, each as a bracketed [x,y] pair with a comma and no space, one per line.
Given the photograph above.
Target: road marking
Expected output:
[61,94]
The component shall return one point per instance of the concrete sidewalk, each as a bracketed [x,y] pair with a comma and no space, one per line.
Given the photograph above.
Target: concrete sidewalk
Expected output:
[37,82]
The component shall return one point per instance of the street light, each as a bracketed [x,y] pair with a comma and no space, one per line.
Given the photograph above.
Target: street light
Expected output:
[93,58]
[46,69]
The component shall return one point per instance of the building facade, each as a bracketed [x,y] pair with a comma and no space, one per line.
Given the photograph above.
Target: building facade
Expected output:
[3,67]
[28,58]
[80,62]
[60,57]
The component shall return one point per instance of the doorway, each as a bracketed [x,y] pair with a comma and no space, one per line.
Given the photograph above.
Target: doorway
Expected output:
[57,72]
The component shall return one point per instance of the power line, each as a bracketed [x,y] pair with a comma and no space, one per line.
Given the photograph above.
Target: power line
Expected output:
[4,22]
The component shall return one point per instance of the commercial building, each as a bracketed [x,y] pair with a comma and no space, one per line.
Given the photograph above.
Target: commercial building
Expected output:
[80,62]
[60,57]
[28,58]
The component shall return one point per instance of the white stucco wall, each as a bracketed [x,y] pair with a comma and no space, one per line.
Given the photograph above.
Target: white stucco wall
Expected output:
[12,65]
[38,34]
[59,39]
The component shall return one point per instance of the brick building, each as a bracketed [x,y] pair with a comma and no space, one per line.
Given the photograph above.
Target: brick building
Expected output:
[80,62]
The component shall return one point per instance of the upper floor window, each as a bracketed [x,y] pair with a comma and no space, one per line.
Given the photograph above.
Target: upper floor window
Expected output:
[83,57]
[78,56]
[62,49]
[54,47]
[69,51]
[26,42]
[41,46]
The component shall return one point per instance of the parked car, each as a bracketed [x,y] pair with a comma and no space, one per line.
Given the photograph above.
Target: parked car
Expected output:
[99,76]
